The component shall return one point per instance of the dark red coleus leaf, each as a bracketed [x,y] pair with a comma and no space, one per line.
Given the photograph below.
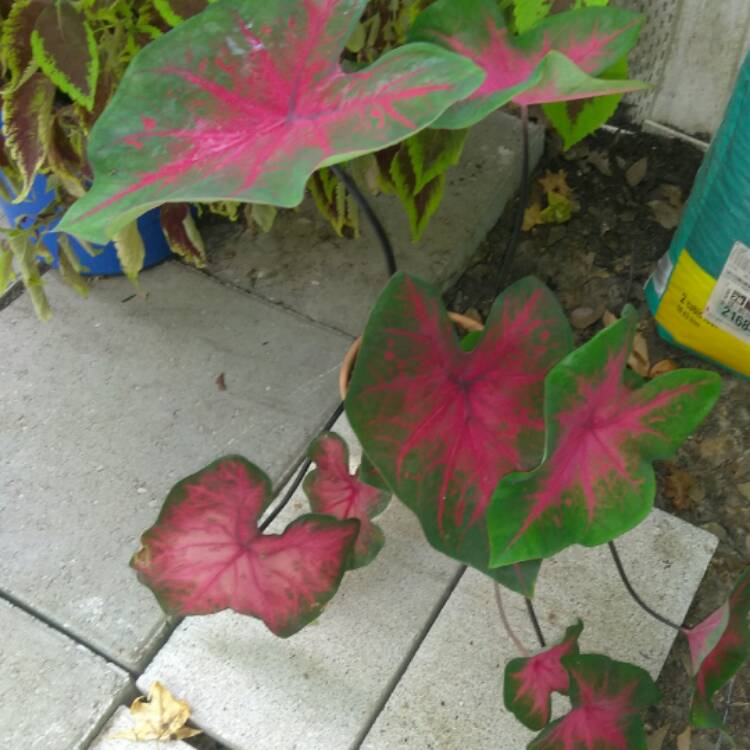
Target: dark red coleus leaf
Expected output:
[719,646]
[441,424]
[181,233]
[245,101]
[597,479]
[15,44]
[607,698]
[530,681]
[205,553]
[332,490]
[557,60]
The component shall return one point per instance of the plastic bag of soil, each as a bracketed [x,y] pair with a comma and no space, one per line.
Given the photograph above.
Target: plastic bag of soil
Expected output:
[700,290]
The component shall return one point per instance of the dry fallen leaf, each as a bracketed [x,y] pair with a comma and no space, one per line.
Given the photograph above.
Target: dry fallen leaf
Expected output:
[608,318]
[600,160]
[668,210]
[663,366]
[639,358]
[556,182]
[636,172]
[583,317]
[532,217]
[677,487]
[161,718]
[683,741]
[655,740]
[474,314]
[221,382]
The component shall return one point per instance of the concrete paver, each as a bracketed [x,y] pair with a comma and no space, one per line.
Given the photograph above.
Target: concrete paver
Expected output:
[53,691]
[317,689]
[451,695]
[302,264]
[115,399]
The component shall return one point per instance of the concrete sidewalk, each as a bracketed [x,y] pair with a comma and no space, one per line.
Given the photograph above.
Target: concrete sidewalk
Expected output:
[115,399]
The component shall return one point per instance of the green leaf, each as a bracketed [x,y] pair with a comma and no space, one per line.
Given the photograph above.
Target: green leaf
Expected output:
[574,120]
[25,253]
[27,126]
[130,251]
[174,12]
[334,202]
[263,215]
[64,47]
[418,173]
[70,266]
[528,13]
[7,274]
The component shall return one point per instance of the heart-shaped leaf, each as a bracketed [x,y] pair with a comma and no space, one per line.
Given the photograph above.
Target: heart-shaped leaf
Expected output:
[205,553]
[607,699]
[65,49]
[596,481]
[530,681]
[332,490]
[556,60]
[441,424]
[245,101]
[719,646]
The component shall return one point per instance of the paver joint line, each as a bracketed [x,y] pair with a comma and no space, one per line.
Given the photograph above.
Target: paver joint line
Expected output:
[410,654]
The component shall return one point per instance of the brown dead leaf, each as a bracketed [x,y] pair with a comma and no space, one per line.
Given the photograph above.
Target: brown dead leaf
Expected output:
[668,210]
[162,717]
[600,161]
[532,217]
[678,486]
[636,172]
[556,183]
[608,318]
[639,357]
[220,382]
[583,317]
[663,366]
[655,740]
[684,740]
[474,314]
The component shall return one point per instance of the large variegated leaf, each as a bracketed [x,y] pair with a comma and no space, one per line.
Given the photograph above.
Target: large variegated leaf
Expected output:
[557,60]
[205,553]
[443,425]
[245,101]
[607,699]
[597,479]
[332,490]
[531,681]
[719,646]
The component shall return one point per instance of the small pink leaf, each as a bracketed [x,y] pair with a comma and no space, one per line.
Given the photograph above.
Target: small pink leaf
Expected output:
[557,60]
[205,553]
[597,479]
[607,698]
[441,424]
[246,100]
[530,681]
[719,646]
[332,490]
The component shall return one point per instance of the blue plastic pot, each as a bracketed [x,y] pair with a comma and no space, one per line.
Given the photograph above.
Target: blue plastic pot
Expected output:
[105,263]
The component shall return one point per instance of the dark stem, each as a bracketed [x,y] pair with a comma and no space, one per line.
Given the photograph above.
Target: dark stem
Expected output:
[535,622]
[300,474]
[523,198]
[372,217]
[632,592]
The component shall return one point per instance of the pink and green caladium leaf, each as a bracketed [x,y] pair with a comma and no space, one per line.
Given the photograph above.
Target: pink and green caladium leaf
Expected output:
[597,479]
[607,699]
[443,425]
[719,646]
[245,101]
[332,490]
[530,681]
[205,553]
[557,60]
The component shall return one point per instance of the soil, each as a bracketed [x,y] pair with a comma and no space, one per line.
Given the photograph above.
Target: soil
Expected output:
[600,259]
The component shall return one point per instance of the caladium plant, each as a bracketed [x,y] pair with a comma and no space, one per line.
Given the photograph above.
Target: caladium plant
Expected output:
[205,553]
[443,425]
[246,101]
[719,646]
[596,481]
[558,59]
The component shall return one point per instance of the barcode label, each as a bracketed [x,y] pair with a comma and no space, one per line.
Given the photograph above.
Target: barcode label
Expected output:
[728,307]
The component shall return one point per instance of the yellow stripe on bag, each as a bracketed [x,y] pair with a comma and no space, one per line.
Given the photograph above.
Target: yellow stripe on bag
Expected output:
[680,312]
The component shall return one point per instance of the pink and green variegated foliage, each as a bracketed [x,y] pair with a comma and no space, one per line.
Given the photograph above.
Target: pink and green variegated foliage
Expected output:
[332,490]
[607,699]
[719,646]
[557,60]
[245,101]
[441,424]
[205,553]
[531,681]
[597,480]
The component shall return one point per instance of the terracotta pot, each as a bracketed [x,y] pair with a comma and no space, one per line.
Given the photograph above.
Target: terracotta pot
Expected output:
[345,373]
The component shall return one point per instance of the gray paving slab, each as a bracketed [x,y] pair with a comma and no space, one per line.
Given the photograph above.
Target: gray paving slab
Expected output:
[115,399]
[451,695]
[121,721]
[53,692]
[316,689]
[302,264]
